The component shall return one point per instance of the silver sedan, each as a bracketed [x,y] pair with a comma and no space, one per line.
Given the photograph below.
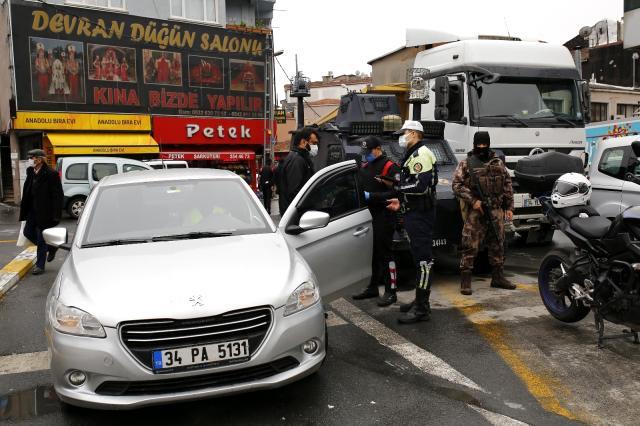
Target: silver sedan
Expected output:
[179,286]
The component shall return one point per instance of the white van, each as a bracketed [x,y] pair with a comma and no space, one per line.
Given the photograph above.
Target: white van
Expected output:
[80,174]
[167,164]
[615,175]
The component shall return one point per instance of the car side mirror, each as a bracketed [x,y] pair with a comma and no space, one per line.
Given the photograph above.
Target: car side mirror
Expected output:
[635,146]
[309,220]
[56,237]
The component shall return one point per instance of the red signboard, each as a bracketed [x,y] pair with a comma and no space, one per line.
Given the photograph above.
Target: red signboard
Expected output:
[208,131]
[224,156]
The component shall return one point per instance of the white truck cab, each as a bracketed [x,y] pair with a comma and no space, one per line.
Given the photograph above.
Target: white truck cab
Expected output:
[529,96]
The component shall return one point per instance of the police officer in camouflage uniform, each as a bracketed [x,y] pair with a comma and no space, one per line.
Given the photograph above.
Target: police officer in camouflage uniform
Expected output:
[482,167]
[417,197]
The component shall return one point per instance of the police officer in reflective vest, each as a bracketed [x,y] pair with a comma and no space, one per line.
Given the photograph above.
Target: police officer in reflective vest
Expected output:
[483,185]
[377,176]
[417,198]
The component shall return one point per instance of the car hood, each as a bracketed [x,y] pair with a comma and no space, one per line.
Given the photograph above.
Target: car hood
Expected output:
[181,279]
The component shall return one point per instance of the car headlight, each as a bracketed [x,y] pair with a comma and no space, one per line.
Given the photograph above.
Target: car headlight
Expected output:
[67,319]
[304,296]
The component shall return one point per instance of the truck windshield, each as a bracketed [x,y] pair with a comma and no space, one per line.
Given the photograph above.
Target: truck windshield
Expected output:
[523,102]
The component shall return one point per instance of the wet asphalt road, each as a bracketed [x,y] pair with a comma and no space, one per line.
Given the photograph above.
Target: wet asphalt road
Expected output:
[527,366]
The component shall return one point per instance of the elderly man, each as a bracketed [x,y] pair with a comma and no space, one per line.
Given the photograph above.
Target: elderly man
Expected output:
[41,205]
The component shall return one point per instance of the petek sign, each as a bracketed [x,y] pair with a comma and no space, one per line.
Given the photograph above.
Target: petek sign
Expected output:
[207,131]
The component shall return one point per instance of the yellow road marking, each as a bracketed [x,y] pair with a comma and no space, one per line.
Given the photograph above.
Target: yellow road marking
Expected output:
[20,265]
[543,387]
[8,241]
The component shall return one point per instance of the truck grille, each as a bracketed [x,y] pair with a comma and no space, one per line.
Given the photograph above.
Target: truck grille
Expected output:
[202,381]
[141,338]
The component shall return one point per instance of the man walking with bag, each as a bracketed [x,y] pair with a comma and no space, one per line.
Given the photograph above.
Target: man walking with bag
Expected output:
[41,205]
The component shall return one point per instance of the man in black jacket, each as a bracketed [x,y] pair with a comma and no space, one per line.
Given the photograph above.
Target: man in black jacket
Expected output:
[266,185]
[41,205]
[377,176]
[297,167]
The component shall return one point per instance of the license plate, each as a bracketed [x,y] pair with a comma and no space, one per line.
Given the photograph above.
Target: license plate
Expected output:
[531,202]
[202,354]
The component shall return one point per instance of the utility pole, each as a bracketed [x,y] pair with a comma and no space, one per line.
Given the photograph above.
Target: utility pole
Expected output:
[300,89]
[635,58]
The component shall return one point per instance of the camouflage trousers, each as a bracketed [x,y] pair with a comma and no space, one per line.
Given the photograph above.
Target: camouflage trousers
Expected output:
[476,231]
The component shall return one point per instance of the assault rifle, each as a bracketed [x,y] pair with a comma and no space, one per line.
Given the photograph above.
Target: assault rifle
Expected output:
[486,201]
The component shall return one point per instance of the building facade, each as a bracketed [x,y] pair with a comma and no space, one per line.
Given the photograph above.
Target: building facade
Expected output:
[171,79]
[609,67]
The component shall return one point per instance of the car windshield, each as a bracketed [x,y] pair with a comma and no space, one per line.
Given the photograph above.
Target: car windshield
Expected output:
[181,209]
[527,102]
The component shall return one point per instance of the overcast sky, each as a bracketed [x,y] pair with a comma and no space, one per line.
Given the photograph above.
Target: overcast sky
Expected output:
[343,35]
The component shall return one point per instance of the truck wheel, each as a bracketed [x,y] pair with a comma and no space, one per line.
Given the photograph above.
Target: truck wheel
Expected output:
[75,206]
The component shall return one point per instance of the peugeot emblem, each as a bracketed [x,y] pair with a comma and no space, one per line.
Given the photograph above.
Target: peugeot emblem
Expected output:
[196,301]
[536,151]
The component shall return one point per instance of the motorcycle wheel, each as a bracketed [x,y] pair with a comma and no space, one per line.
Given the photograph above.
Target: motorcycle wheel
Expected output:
[559,304]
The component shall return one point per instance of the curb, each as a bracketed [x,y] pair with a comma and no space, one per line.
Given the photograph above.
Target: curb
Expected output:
[13,271]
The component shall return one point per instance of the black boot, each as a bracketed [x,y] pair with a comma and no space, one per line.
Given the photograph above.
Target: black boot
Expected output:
[367,293]
[498,279]
[388,298]
[406,307]
[421,311]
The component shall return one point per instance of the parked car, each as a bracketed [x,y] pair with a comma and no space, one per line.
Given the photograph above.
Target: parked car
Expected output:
[80,174]
[247,313]
[167,164]
[615,175]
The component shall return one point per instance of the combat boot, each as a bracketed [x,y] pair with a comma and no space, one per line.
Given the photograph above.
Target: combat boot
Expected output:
[498,280]
[421,311]
[406,307]
[465,283]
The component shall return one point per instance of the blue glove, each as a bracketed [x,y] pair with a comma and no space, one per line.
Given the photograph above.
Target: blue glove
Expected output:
[366,195]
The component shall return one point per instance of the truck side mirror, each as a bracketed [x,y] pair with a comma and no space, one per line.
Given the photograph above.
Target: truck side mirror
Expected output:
[442,90]
[635,146]
[586,100]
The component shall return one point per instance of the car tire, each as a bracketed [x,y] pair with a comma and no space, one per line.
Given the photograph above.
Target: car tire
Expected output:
[75,206]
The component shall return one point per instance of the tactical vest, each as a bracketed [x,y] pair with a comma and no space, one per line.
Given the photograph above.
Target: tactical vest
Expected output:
[490,176]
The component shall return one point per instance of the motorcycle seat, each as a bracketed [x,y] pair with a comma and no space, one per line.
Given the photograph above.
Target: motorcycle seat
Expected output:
[573,211]
[593,227]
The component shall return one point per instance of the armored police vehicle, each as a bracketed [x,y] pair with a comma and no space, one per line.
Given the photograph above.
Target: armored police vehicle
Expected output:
[365,114]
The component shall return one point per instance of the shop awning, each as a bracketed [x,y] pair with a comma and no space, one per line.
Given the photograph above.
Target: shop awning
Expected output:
[102,143]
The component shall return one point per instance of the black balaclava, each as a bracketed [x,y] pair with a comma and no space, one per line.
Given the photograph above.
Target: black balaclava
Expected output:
[481,138]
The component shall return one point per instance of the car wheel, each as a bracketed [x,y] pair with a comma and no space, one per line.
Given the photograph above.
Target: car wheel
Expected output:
[75,206]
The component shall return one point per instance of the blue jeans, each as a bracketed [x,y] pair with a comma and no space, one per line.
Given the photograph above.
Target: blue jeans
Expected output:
[33,232]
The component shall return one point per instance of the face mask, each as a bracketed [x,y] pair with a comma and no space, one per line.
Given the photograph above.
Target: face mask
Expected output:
[482,153]
[31,162]
[370,157]
[403,142]
[313,150]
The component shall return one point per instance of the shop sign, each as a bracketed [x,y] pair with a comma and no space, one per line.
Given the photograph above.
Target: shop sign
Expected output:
[70,121]
[84,60]
[226,157]
[280,116]
[207,131]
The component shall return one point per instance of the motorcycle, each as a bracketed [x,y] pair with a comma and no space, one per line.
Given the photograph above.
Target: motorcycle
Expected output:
[601,274]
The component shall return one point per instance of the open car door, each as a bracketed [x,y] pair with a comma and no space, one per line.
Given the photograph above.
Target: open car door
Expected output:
[329,224]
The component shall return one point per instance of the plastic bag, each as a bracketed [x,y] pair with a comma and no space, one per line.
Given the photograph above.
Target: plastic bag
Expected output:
[22,240]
